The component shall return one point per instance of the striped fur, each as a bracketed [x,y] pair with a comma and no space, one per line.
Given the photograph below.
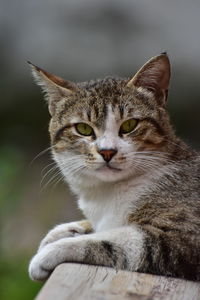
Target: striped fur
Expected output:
[143,206]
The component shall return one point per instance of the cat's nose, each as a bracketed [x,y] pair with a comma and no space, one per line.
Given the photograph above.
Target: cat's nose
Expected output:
[107,154]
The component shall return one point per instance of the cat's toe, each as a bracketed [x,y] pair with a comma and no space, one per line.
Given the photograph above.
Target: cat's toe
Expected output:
[38,274]
[37,269]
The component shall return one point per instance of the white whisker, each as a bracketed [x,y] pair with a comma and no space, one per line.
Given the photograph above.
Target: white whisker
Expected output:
[40,154]
[48,172]
[58,173]
[52,163]
[58,180]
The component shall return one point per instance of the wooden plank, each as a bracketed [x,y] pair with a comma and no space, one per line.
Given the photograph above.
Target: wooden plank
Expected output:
[84,282]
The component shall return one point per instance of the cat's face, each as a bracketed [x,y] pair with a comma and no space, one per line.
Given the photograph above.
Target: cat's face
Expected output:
[109,129]
[109,138]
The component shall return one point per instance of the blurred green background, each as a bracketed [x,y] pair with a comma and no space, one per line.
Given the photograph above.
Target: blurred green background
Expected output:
[78,40]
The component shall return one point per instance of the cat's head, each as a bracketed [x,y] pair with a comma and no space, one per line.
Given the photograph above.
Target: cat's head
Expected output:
[110,129]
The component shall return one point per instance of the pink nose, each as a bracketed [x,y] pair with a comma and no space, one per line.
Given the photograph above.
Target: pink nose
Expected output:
[107,154]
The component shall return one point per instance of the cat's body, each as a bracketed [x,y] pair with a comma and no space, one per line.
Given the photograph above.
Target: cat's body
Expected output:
[136,182]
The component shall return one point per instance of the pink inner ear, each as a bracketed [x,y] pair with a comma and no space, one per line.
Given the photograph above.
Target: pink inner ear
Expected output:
[154,75]
[55,79]
[59,81]
[153,79]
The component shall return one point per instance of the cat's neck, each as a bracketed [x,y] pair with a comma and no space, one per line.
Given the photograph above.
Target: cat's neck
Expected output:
[107,205]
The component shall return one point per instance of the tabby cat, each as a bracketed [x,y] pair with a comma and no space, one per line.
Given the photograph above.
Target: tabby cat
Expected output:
[137,183]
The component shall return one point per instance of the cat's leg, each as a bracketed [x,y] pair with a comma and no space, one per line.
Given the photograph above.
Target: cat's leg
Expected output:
[121,248]
[66,230]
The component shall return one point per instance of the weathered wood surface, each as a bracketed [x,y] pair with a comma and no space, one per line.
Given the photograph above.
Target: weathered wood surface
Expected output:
[83,282]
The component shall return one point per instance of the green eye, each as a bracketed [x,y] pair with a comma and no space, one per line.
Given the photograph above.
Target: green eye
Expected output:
[128,126]
[84,129]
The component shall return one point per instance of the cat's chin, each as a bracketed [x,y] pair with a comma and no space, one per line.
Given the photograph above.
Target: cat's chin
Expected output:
[108,169]
[109,174]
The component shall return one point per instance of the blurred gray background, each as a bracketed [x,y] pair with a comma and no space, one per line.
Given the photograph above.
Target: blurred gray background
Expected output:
[77,40]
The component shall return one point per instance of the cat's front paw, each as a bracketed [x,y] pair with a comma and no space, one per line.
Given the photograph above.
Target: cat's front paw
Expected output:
[45,261]
[66,230]
[41,264]
[36,271]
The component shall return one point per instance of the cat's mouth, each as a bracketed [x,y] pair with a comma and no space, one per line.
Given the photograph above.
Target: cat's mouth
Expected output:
[108,167]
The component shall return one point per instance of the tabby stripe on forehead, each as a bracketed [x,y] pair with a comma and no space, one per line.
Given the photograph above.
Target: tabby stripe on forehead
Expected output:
[67,107]
[96,110]
[121,111]
[58,133]
[88,114]
[105,110]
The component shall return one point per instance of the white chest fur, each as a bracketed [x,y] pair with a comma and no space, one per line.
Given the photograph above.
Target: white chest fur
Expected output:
[109,206]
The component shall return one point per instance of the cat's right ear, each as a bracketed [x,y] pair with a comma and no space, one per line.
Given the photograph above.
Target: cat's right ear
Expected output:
[54,87]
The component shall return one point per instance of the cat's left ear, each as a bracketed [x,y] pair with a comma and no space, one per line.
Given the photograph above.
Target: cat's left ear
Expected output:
[54,87]
[154,76]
